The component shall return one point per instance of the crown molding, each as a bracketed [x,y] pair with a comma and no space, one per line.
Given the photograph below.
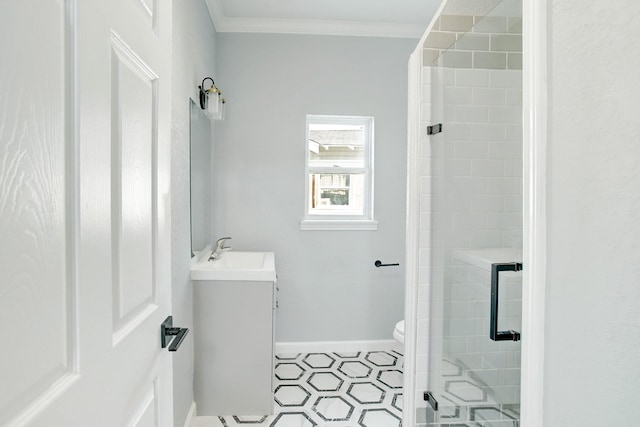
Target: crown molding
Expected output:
[225,24]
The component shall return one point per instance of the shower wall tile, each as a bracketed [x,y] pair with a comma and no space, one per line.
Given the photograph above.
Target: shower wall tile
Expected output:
[488,132]
[429,55]
[470,150]
[514,97]
[505,114]
[457,59]
[489,96]
[490,24]
[514,25]
[506,79]
[459,95]
[456,23]
[505,150]
[472,78]
[474,42]
[490,60]
[506,42]
[471,113]
[514,61]
[440,40]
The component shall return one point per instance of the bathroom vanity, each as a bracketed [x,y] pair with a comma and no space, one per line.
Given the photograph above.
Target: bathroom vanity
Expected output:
[234,333]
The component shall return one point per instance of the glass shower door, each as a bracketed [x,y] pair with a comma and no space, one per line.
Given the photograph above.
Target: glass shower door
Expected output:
[476,305]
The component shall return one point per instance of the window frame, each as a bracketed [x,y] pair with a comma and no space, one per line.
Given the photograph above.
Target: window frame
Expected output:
[332,221]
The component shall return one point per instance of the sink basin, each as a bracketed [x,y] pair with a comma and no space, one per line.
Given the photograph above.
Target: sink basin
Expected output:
[237,265]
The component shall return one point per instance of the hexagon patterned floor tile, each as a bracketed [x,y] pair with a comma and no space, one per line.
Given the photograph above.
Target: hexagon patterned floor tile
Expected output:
[341,389]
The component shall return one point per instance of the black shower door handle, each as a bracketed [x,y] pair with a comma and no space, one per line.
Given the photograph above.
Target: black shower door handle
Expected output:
[494,334]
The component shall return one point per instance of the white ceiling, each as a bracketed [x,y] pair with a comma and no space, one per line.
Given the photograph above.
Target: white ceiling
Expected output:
[376,18]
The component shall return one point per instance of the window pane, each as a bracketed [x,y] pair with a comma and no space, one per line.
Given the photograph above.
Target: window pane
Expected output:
[336,145]
[337,194]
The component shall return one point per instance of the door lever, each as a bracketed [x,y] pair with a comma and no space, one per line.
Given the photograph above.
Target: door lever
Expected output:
[167,330]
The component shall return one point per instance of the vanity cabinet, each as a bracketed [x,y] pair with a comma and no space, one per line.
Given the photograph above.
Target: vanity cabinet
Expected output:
[234,335]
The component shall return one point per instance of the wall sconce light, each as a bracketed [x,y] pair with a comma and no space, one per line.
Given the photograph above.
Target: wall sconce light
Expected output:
[211,100]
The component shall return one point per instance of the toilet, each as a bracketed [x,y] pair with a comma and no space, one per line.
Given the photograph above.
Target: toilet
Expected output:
[398,332]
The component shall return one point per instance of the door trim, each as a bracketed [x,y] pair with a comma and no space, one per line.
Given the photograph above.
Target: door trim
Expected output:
[535,133]
[412,237]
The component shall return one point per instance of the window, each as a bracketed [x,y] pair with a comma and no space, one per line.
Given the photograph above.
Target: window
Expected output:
[339,173]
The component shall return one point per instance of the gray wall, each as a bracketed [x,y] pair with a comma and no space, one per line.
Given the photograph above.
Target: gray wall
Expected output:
[194,41]
[592,374]
[329,288]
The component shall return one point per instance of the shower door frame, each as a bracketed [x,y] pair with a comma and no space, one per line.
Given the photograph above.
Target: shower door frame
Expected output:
[535,130]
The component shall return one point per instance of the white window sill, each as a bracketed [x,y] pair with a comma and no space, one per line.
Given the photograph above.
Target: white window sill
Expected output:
[337,224]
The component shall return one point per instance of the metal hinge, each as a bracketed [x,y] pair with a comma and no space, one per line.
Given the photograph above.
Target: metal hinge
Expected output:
[435,129]
[428,396]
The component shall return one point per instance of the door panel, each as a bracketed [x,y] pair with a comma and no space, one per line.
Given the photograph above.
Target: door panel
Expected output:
[133,144]
[84,213]
[35,204]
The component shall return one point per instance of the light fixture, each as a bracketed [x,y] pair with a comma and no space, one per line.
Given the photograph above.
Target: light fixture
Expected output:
[211,100]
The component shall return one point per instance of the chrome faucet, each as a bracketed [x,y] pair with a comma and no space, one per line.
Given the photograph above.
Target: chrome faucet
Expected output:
[220,248]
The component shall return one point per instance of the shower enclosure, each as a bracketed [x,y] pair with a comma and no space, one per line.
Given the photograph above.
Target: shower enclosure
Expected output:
[475,175]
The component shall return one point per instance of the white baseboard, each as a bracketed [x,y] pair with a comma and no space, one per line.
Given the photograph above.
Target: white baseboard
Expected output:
[337,346]
[191,414]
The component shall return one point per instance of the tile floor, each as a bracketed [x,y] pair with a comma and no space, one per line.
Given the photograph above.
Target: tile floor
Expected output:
[330,389]
[464,402]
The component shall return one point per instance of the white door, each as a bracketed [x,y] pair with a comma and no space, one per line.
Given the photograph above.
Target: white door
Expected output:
[84,212]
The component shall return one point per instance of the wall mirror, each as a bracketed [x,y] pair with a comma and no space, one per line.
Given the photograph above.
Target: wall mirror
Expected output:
[200,182]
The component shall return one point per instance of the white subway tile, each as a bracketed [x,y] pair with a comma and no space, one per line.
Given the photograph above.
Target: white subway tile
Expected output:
[473,78]
[471,150]
[504,114]
[471,185]
[425,185]
[513,168]
[440,39]
[426,93]
[425,220]
[488,167]
[429,56]
[490,60]
[457,95]
[485,239]
[459,23]
[514,96]
[425,203]
[489,96]
[427,74]
[505,150]
[512,204]
[474,42]
[459,167]
[457,131]
[502,221]
[514,61]
[504,186]
[425,148]
[426,111]
[488,132]
[456,59]
[469,221]
[506,42]
[486,203]
[506,78]
[471,114]
[424,257]
[514,132]
[490,24]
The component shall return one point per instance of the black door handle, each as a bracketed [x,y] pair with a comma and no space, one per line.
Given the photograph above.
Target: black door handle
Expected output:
[494,334]
[167,330]
[379,263]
